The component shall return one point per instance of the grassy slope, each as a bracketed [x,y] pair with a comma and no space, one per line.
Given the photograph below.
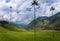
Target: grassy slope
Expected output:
[10,27]
[29,36]
[2,30]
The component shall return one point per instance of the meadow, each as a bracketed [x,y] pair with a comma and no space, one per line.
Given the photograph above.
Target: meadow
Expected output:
[43,35]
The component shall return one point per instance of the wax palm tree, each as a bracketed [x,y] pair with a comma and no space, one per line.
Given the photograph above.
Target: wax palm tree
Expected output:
[34,3]
[10,13]
[52,9]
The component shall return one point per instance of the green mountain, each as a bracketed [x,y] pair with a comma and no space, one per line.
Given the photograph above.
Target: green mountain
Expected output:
[51,22]
[38,23]
[55,21]
[5,26]
[54,17]
[55,25]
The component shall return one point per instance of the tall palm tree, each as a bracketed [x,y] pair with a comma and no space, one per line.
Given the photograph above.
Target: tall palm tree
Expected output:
[52,9]
[10,13]
[34,3]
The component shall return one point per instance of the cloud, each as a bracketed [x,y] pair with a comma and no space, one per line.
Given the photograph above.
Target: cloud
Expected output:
[22,10]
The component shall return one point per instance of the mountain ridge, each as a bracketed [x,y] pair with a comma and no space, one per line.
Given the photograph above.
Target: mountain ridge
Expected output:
[45,22]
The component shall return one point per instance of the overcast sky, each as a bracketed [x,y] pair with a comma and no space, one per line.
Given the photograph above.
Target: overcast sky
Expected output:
[22,10]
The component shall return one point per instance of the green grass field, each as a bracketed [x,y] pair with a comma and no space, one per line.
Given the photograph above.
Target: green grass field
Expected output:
[43,35]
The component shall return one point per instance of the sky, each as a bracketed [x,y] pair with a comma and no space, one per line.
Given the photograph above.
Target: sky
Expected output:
[22,11]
